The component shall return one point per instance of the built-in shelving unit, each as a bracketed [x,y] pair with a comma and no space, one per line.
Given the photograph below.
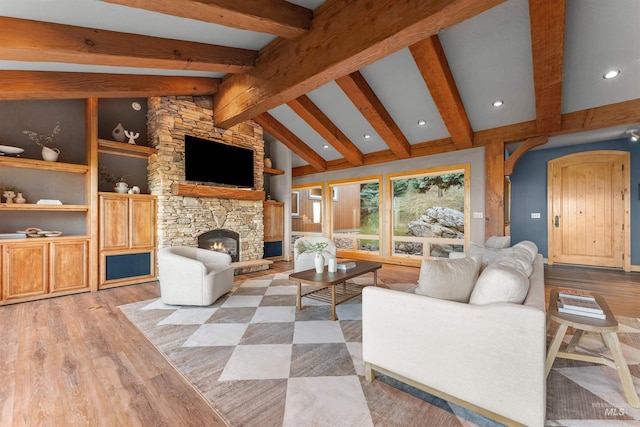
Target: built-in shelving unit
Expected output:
[80,259]
[41,267]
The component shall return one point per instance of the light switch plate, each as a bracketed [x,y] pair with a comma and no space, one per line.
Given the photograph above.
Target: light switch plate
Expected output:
[535,215]
[478,215]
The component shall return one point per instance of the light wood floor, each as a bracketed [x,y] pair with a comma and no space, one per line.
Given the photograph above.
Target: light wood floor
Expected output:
[76,360]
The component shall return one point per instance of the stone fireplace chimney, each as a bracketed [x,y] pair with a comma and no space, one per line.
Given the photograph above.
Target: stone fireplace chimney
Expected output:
[182,219]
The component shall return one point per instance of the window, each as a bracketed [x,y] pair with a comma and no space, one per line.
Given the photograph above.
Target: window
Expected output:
[306,211]
[428,212]
[355,215]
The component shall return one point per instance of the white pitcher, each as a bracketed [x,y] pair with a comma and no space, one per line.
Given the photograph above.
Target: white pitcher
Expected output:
[50,154]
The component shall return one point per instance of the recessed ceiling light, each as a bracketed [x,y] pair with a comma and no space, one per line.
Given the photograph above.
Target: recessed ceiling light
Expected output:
[367,136]
[325,146]
[422,122]
[611,74]
[497,103]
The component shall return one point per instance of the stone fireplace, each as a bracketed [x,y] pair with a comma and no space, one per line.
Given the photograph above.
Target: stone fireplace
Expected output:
[221,240]
[182,218]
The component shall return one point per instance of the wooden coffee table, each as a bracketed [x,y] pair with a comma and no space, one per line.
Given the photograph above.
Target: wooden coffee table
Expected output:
[607,328]
[334,288]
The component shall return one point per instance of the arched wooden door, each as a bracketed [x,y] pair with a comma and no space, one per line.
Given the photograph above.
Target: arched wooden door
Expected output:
[589,209]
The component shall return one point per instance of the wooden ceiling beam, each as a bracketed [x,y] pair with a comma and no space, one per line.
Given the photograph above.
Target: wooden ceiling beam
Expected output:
[364,98]
[506,134]
[18,85]
[529,144]
[277,17]
[24,40]
[432,63]
[547,20]
[621,113]
[291,141]
[421,149]
[310,113]
[288,69]
[611,115]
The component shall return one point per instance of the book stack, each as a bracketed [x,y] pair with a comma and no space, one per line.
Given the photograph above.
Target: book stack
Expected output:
[581,303]
[346,265]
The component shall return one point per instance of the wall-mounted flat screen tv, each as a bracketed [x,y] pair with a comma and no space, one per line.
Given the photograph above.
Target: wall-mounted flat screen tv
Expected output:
[210,162]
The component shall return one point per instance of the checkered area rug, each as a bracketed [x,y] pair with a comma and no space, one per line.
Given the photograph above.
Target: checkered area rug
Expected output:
[260,362]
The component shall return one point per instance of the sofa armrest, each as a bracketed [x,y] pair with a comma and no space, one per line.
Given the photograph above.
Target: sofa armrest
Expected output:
[492,356]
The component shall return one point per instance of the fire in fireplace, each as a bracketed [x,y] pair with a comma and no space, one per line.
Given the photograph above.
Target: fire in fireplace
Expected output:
[221,240]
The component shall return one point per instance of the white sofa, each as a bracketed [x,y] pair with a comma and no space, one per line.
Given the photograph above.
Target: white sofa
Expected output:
[193,276]
[489,358]
[305,260]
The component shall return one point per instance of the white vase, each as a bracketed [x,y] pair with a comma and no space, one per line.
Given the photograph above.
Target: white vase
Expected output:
[50,154]
[319,262]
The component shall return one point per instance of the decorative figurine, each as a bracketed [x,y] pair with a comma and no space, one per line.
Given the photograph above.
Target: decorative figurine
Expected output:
[9,195]
[132,136]
[118,133]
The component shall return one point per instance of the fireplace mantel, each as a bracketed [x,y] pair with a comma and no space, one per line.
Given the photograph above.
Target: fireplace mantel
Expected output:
[193,190]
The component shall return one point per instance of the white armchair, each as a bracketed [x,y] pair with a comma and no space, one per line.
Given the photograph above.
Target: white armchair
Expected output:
[305,261]
[193,276]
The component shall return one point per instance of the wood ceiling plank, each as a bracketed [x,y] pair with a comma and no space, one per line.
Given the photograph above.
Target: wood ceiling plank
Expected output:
[277,17]
[24,40]
[432,63]
[18,85]
[547,20]
[310,113]
[364,98]
[291,68]
[291,141]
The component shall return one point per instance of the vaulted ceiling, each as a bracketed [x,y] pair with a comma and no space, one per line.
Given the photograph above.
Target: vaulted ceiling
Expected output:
[320,75]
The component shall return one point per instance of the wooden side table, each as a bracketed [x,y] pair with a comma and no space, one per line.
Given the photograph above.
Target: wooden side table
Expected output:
[607,328]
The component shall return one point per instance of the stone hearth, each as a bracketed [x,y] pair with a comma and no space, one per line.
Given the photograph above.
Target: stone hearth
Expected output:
[182,219]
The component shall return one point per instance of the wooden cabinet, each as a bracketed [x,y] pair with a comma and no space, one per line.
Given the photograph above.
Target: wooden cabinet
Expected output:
[273,230]
[25,269]
[69,266]
[39,268]
[127,238]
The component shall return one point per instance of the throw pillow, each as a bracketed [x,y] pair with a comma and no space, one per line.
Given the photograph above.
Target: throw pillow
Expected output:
[486,255]
[450,279]
[518,258]
[500,283]
[530,247]
[498,242]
